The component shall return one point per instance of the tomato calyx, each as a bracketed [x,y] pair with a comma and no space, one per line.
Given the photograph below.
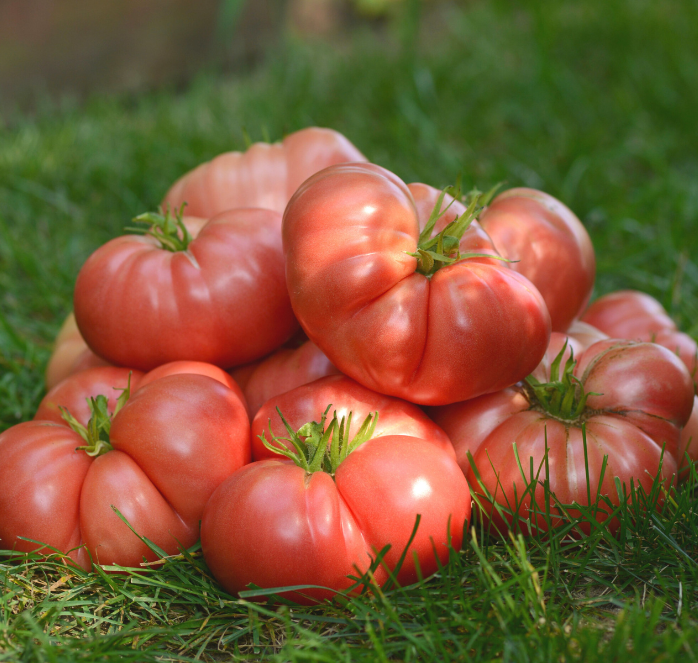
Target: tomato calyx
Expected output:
[443,249]
[563,397]
[317,448]
[96,433]
[166,228]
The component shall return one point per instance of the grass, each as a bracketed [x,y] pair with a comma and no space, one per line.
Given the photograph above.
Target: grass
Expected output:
[592,102]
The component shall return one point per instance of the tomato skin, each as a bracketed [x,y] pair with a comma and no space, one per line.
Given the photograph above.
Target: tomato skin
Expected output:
[41,479]
[174,442]
[265,176]
[273,525]
[627,313]
[141,306]
[472,328]
[689,442]
[282,371]
[643,399]
[552,247]
[307,403]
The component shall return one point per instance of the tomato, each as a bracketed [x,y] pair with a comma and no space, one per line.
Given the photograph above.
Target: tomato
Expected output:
[70,354]
[264,176]
[169,446]
[285,369]
[551,246]
[632,398]
[219,297]
[307,402]
[636,315]
[289,521]
[448,332]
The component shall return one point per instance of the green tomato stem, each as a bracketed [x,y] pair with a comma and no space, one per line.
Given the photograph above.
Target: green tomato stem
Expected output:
[317,447]
[168,230]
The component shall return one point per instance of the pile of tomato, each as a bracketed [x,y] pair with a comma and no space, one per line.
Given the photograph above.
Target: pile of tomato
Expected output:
[316,368]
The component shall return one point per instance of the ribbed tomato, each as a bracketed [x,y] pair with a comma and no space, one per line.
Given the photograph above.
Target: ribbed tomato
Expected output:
[369,293]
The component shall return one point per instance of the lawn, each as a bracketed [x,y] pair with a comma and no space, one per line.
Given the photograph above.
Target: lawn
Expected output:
[593,102]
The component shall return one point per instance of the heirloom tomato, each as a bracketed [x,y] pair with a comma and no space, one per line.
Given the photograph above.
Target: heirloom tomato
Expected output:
[401,311]
[550,247]
[618,400]
[218,297]
[329,498]
[156,460]
[266,175]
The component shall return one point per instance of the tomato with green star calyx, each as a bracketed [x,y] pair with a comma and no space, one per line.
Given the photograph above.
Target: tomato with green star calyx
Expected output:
[619,406]
[401,311]
[156,460]
[265,176]
[218,297]
[331,497]
[550,247]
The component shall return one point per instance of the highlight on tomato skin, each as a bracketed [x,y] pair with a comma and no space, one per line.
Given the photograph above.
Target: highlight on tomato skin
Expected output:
[371,290]
[330,497]
[616,409]
[155,457]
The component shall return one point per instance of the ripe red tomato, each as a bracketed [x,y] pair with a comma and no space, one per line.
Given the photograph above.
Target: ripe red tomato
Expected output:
[638,398]
[282,371]
[172,443]
[279,523]
[220,299]
[552,247]
[433,336]
[264,176]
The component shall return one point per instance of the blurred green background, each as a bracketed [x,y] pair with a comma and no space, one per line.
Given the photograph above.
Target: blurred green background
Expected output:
[592,101]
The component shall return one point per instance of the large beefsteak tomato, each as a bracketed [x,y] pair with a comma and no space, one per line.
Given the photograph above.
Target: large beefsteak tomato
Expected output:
[157,462]
[621,400]
[343,493]
[219,297]
[369,292]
